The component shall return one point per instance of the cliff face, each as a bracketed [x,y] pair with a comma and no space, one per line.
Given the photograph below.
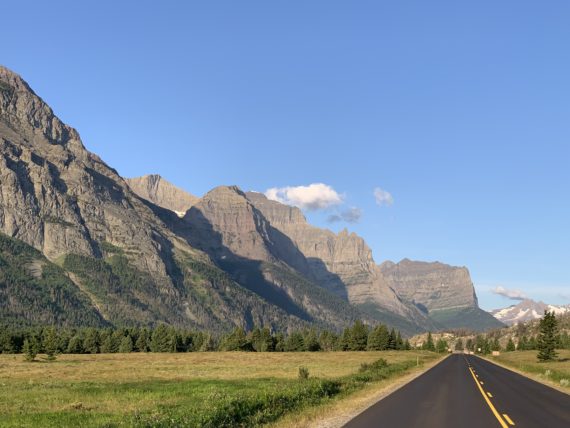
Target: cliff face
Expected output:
[227,226]
[227,259]
[342,263]
[57,196]
[445,293]
[160,192]
[432,286]
[121,258]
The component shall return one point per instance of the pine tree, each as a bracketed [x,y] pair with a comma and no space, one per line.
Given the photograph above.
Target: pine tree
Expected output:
[279,342]
[546,342]
[392,339]
[459,345]
[327,341]
[109,343]
[378,338]
[267,342]
[441,346]
[486,346]
[343,343]
[510,345]
[469,344]
[311,342]
[295,342]
[75,345]
[255,338]
[207,344]
[399,341]
[407,345]
[6,342]
[50,344]
[141,344]
[428,344]
[496,346]
[480,344]
[91,341]
[126,345]
[162,339]
[358,337]
[523,344]
[30,349]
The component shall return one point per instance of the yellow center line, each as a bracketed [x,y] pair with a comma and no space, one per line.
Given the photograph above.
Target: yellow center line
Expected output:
[497,415]
[508,419]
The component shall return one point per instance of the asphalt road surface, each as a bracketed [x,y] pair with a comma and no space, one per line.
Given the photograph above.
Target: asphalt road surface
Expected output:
[464,391]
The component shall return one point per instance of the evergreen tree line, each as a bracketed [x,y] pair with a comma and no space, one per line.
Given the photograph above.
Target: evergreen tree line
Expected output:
[164,338]
[545,342]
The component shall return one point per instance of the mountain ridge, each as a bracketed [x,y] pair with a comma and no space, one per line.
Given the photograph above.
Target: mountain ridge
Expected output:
[527,310]
[143,251]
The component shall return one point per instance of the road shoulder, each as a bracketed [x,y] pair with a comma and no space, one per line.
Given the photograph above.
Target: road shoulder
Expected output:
[531,376]
[338,413]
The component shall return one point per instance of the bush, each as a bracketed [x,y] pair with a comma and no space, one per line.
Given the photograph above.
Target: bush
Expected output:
[303,373]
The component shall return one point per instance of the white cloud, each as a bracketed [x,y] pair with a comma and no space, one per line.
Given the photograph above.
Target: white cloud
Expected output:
[316,196]
[509,293]
[383,197]
[351,215]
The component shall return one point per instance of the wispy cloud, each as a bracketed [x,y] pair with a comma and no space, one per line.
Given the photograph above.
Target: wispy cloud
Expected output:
[316,196]
[383,197]
[351,215]
[509,293]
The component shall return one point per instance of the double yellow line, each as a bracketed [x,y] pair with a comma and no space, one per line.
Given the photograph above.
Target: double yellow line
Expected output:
[493,409]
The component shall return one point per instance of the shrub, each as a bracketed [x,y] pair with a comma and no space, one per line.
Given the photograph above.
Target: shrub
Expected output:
[303,373]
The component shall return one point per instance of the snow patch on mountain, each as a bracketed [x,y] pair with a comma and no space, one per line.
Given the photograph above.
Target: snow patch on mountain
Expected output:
[527,310]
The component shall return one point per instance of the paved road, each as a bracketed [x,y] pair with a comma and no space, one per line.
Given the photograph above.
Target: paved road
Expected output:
[464,391]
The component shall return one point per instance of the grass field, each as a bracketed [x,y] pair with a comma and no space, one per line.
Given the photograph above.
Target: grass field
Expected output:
[180,389]
[552,372]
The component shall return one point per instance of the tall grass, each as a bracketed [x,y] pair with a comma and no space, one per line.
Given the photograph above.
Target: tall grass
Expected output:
[262,408]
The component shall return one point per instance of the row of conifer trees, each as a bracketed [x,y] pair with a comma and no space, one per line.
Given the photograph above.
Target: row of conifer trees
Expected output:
[164,338]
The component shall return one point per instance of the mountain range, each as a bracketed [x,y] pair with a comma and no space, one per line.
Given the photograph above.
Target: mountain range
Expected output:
[527,310]
[81,245]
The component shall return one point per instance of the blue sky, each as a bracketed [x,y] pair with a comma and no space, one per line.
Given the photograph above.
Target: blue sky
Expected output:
[459,110]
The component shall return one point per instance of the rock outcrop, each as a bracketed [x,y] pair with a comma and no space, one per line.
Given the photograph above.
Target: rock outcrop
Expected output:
[227,226]
[445,293]
[341,262]
[57,196]
[432,286]
[160,192]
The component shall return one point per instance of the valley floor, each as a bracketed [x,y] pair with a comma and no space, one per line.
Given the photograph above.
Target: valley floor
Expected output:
[193,389]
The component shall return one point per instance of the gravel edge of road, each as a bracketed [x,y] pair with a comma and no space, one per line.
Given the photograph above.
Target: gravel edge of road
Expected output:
[339,421]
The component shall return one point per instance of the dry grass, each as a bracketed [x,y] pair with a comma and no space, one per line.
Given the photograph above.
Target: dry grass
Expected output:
[189,366]
[551,373]
[94,390]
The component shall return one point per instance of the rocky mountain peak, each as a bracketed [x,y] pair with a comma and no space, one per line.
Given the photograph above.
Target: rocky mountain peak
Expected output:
[58,197]
[278,214]
[159,191]
[432,285]
[225,219]
[22,110]
[526,310]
